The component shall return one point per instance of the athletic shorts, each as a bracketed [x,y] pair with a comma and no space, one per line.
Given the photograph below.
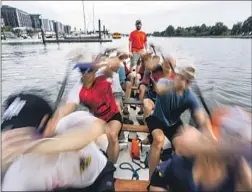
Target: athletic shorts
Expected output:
[117,117]
[134,59]
[104,182]
[153,123]
[157,178]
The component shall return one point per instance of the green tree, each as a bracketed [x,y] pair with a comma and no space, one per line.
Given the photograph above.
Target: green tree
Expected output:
[156,33]
[247,25]
[170,31]
[203,28]
[7,29]
[218,29]
[30,32]
[237,29]
[179,31]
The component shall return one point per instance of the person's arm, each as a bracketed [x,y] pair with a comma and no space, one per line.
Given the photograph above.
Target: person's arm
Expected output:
[244,182]
[190,142]
[145,43]
[72,140]
[198,112]
[113,65]
[130,44]
[71,104]
[202,119]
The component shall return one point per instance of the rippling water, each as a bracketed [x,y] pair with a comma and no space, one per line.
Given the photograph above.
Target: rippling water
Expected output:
[223,66]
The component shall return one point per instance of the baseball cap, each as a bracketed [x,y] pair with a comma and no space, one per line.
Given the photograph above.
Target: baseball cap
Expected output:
[138,22]
[187,71]
[84,67]
[24,110]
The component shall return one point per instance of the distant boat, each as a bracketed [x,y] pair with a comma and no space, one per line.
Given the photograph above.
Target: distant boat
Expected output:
[116,35]
[79,35]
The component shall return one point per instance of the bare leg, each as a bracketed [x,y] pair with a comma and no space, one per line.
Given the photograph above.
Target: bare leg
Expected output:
[112,131]
[155,150]
[128,87]
[142,90]
[148,107]
[152,188]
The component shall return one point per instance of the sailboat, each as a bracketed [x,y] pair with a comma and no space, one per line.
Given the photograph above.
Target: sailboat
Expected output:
[85,34]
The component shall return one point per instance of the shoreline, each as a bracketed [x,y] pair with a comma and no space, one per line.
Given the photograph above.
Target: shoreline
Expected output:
[227,36]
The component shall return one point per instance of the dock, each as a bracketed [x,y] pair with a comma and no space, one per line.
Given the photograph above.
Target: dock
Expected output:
[79,41]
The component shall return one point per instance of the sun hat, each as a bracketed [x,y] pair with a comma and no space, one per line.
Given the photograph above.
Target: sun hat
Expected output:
[188,71]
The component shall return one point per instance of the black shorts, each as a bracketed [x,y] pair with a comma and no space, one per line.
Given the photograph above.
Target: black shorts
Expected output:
[104,183]
[117,117]
[153,123]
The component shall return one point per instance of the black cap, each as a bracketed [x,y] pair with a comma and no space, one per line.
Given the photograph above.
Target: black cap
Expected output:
[138,22]
[23,110]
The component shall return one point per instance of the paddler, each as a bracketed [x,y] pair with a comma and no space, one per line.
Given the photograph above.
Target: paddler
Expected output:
[173,98]
[209,160]
[94,91]
[154,71]
[71,159]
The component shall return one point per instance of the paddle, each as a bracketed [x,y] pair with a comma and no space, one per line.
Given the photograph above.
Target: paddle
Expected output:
[58,99]
[196,86]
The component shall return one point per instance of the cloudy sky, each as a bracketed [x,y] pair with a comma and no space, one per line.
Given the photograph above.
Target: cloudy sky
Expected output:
[120,16]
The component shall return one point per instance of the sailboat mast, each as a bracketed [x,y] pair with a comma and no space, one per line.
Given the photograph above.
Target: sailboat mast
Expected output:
[84,17]
[93,20]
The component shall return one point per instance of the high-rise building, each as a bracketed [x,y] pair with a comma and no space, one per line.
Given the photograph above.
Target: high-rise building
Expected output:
[60,27]
[67,29]
[35,19]
[51,26]
[15,17]
[46,25]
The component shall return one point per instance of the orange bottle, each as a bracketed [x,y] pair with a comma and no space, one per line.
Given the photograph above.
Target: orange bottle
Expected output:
[135,149]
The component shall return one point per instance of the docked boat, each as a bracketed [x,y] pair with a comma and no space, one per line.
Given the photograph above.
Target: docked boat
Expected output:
[116,35]
[77,35]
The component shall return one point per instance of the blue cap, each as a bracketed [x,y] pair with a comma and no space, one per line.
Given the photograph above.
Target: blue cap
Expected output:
[84,67]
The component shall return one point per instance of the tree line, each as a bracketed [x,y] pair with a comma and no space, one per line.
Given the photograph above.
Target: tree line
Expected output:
[219,29]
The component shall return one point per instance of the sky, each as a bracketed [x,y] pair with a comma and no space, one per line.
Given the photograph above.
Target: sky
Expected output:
[120,16]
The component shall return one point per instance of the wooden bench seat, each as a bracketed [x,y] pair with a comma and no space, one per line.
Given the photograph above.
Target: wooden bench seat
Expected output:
[132,102]
[135,128]
[131,185]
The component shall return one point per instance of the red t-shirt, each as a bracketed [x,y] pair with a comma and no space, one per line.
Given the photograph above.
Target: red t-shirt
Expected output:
[100,99]
[154,76]
[138,39]
[141,69]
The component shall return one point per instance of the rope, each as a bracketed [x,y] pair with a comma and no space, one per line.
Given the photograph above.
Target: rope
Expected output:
[134,171]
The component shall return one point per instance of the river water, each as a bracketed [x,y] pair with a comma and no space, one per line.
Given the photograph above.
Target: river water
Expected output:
[223,66]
